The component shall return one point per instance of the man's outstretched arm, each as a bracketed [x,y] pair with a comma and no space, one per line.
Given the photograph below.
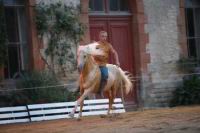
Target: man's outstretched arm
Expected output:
[115,56]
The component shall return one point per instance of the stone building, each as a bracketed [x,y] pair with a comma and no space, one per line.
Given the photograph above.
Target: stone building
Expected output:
[149,35]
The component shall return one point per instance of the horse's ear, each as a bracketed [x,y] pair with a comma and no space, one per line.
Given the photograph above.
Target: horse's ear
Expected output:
[80,48]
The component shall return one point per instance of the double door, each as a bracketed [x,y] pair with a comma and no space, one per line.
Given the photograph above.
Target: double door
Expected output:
[120,36]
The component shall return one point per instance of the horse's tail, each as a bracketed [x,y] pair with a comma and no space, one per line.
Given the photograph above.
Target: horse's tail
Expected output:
[126,79]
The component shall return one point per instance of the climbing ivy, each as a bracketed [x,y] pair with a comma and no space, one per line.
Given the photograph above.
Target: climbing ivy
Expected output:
[61,25]
[3,36]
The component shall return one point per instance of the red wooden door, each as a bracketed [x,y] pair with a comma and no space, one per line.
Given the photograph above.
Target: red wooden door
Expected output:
[119,35]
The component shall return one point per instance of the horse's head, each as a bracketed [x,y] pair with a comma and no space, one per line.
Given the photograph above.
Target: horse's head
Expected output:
[82,58]
[85,53]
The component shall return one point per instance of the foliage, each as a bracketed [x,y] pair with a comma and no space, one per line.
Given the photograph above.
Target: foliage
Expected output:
[60,23]
[187,94]
[3,36]
[45,94]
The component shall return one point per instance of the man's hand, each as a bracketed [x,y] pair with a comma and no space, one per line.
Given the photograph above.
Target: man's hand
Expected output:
[115,56]
[118,64]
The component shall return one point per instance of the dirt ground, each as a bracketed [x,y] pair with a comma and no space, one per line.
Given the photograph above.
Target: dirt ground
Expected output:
[173,120]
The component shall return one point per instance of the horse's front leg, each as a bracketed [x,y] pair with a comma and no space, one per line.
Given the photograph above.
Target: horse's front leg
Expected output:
[81,93]
[79,101]
[81,105]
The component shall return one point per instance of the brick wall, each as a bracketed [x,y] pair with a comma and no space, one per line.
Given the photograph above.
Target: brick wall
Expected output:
[85,20]
[182,29]
[140,41]
[36,62]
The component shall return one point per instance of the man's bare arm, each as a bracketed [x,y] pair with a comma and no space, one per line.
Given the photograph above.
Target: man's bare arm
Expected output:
[115,55]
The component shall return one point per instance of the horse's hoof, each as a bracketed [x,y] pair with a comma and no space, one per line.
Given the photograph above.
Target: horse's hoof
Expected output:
[109,115]
[115,115]
[113,107]
[79,119]
[103,116]
[71,115]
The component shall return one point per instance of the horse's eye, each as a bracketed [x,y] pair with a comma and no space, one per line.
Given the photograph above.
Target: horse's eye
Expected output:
[84,56]
[97,48]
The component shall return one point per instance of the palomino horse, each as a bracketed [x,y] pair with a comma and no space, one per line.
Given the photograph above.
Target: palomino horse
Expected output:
[90,76]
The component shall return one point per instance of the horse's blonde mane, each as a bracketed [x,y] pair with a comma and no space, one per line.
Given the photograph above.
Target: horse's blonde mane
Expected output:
[90,49]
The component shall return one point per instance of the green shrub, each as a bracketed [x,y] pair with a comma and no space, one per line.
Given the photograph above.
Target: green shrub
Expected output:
[187,94]
[37,87]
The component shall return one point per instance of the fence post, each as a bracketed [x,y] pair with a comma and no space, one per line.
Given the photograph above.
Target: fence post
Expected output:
[29,116]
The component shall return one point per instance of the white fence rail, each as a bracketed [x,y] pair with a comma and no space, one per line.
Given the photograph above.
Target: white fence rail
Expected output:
[50,111]
[14,115]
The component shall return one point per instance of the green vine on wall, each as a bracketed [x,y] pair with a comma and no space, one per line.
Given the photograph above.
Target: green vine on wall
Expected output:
[3,36]
[61,25]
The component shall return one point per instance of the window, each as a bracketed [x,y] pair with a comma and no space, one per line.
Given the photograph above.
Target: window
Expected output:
[118,5]
[17,38]
[108,6]
[192,12]
[13,2]
[96,5]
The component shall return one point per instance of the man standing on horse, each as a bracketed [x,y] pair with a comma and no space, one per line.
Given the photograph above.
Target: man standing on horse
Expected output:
[102,60]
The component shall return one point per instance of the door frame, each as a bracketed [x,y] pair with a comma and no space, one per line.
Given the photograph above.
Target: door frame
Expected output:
[139,37]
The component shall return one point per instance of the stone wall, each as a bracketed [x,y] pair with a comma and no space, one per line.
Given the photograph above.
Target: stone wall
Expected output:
[162,27]
[71,76]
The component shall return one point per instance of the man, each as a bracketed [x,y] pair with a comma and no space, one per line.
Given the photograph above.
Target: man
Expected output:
[103,60]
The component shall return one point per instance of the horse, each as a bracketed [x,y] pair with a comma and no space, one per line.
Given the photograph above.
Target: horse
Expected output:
[90,76]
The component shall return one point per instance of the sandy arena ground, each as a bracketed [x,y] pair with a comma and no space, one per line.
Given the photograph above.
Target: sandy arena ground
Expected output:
[174,120]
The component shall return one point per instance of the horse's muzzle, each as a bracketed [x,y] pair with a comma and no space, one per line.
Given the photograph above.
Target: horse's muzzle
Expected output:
[80,68]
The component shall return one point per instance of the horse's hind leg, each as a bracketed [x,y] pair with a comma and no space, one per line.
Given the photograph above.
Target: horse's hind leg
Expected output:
[110,96]
[114,93]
